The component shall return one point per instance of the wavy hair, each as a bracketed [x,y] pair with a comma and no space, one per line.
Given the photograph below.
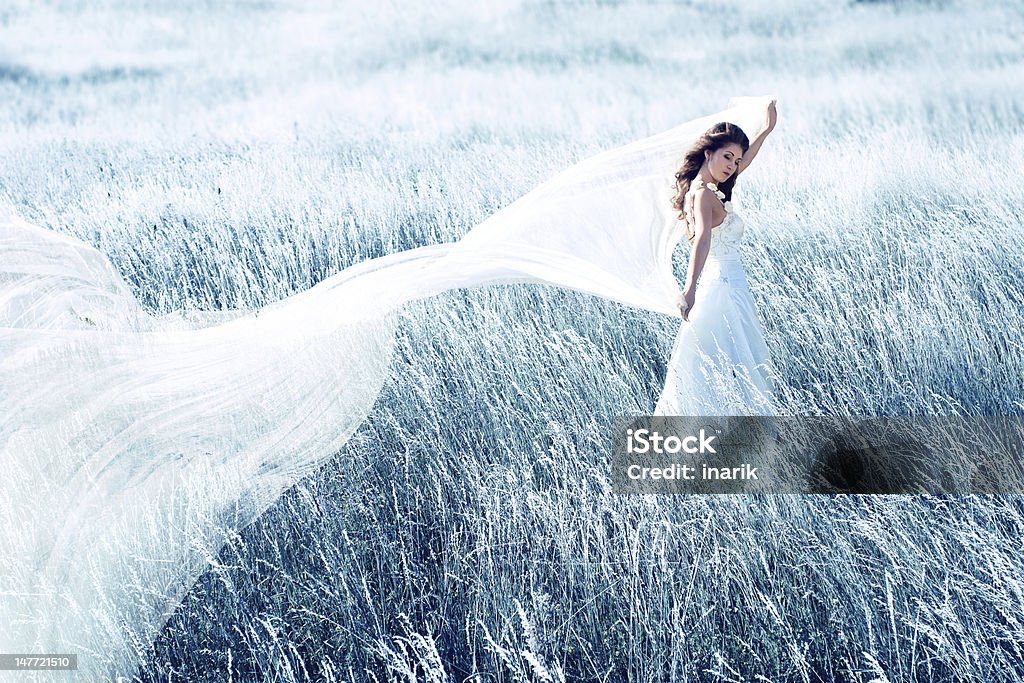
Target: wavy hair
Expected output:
[713,139]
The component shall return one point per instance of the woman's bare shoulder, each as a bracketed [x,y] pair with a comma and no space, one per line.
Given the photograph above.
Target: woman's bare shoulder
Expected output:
[705,198]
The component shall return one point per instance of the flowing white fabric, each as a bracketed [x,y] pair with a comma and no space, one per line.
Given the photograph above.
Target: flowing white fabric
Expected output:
[136,443]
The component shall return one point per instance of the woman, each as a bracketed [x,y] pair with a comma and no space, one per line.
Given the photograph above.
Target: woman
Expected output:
[720,363]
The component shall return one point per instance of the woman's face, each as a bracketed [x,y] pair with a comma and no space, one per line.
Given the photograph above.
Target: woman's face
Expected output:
[724,162]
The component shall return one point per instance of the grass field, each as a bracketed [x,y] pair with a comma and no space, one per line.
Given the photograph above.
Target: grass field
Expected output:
[226,156]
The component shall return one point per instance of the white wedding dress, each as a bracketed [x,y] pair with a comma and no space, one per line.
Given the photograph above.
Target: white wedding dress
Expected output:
[720,363]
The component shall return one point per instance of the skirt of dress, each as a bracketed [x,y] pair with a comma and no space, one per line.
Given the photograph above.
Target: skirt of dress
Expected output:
[720,363]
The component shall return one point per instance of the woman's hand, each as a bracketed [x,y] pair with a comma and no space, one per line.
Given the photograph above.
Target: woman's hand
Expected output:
[686,303]
[770,116]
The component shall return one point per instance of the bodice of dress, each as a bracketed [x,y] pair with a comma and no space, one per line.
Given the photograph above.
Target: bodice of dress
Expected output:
[723,264]
[726,237]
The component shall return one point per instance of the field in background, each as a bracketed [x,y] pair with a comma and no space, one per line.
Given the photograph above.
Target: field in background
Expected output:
[228,156]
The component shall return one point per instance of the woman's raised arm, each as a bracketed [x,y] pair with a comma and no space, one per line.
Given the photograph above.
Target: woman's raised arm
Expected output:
[755,144]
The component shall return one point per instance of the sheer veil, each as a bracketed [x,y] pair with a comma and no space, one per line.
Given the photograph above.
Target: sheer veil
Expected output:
[135,443]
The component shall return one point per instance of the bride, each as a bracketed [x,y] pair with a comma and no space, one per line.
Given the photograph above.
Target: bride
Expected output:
[720,363]
[140,443]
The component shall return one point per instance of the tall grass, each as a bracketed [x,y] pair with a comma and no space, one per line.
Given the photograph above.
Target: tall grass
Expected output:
[226,157]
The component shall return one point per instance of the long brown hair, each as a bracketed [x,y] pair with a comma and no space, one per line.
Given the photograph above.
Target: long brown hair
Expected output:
[713,139]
